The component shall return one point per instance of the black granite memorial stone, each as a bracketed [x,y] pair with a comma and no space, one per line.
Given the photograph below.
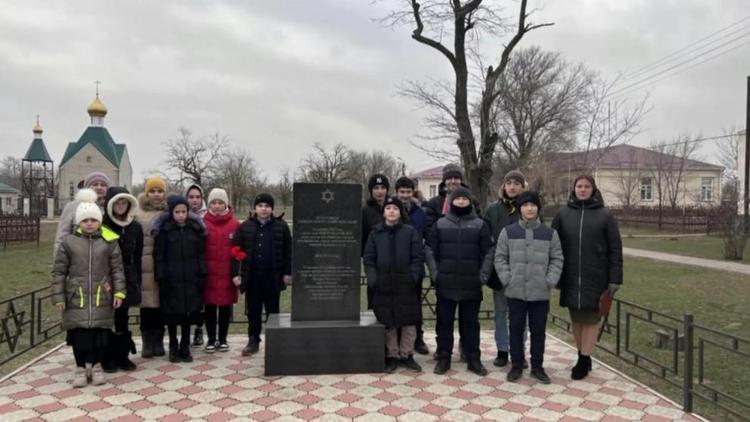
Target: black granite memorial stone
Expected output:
[326,239]
[325,333]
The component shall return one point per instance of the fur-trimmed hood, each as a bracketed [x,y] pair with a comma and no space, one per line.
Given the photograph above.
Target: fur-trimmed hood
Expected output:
[114,194]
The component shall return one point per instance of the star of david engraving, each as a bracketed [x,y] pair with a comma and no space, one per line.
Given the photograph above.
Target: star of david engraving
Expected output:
[327,196]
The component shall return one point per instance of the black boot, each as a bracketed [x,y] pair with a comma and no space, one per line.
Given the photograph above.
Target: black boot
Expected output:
[475,365]
[443,364]
[391,365]
[125,347]
[420,346]
[501,360]
[159,341]
[582,368]
[109,365]
[147,350]
[198,337]
[185,355]
[174,350]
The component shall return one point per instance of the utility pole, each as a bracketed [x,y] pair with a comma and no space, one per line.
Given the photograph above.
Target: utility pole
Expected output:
[746,180]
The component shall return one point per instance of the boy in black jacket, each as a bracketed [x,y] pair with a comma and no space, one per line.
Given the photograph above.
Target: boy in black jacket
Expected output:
[457,254]
[266,270]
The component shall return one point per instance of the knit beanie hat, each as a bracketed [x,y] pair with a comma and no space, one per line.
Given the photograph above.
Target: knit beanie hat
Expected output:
[96,176]
[393,200]
[405,182]
[175,200]
[155,181]
[263,198]
[529,196]
[460,192]
[219,194]
[378,179]
[515,175]
[452,171]
[87,207]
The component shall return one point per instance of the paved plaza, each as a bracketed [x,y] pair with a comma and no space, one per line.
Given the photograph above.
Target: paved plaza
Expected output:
[227,386]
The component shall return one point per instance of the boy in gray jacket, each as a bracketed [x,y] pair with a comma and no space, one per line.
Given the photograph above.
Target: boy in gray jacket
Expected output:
[528,261]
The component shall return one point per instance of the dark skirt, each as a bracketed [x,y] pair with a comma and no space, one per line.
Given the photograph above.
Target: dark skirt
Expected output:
[88,338]
[582,316]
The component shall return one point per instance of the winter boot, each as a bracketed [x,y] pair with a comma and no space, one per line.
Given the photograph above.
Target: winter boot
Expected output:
[501,360]
[582,368]
[443,363]
[516,371]
[540,375]
[391,365]
[420,346]
[198,337]
[159,342]
[185,355]
[109,365]
[475,365]
[97,375]
[147,349]
[125,346]
[79,377]
[174,350]
[410,363]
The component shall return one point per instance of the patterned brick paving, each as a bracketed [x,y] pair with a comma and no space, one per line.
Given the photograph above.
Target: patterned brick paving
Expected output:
[226,386]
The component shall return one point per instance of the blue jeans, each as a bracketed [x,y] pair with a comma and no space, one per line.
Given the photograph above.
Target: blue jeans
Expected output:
[502,341]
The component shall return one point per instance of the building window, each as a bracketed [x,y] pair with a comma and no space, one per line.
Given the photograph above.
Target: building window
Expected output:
[646,189]
[433,191]
[71,191]
[9,202]
[707,189]
[88,158]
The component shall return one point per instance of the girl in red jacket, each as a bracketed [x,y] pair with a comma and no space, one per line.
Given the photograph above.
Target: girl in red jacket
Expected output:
[219,293]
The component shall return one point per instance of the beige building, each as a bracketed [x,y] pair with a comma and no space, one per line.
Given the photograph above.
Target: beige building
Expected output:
[428,181]
[95,150]
[633,176]
[8,199]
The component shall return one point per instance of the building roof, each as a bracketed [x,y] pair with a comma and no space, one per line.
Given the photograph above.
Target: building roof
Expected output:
[7,189]
[99,137]
[431,173]
[37,152]
[623,157]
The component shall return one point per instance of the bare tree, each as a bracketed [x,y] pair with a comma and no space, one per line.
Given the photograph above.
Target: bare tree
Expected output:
[363,164]
[608,120]
[10,172]
[679,153]
[467,22]
[194,160]
[540,105]
[236,172]
[628,184]
[325,166]
[283,189]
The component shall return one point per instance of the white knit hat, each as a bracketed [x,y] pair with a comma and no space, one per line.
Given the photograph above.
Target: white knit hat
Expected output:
[88,210]
[219,194]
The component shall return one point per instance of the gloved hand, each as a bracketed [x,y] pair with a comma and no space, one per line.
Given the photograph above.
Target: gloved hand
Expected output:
[613,288]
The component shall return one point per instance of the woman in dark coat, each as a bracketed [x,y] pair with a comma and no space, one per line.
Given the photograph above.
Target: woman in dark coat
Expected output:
[393,259]
[180,271]
[120,218]
[593,263]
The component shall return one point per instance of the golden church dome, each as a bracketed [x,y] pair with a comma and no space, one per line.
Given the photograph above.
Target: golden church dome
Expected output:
[97,108]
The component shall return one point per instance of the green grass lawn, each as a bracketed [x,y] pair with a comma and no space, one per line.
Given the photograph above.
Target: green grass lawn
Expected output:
[709,247]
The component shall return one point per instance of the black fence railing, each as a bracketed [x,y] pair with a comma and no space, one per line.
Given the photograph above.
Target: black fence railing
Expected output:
[664,346]
[716,374]
[27,320]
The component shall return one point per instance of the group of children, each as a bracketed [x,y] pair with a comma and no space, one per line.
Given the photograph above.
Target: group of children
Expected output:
[183,262]
[508,247]
[175,258]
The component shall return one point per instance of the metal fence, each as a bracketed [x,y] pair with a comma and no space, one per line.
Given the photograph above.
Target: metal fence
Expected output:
[625,333]
[684,220]
[29,320]
[18,229]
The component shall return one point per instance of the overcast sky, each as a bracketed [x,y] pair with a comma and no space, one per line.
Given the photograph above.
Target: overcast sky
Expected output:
[276,76]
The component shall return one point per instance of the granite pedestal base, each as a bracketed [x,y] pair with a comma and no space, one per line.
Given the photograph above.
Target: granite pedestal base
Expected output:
[323,347]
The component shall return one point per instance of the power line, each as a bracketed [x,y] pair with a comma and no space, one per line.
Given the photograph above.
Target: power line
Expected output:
[624,91]
[696,140]
[688,47]
[648,78]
